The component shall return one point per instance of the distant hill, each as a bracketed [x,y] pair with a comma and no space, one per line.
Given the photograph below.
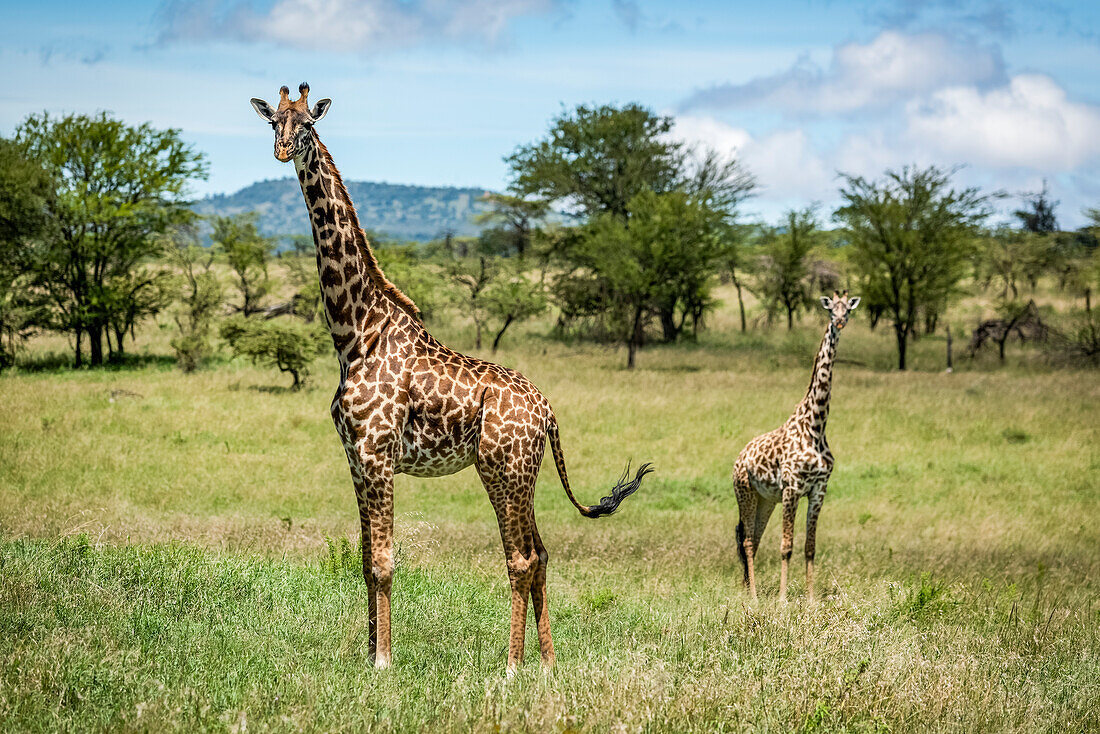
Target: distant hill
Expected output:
[403,212]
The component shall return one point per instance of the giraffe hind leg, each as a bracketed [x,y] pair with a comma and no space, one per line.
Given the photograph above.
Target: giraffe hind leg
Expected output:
[539,601]
[746,532]
[510,486]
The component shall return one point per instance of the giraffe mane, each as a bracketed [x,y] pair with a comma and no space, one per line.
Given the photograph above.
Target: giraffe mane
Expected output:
[374,270]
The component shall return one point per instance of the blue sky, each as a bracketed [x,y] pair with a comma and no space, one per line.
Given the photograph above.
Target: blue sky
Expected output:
[432,92]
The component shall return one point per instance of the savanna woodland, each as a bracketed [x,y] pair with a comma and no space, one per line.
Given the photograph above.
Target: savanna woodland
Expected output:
[178,536]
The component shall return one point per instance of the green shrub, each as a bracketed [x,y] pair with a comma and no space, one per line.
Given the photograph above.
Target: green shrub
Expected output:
[289,345]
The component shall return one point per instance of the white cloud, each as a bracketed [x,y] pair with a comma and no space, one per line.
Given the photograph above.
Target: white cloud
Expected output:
[712,133]
[892,67]
[1028,123]
[784,162]
[348,25]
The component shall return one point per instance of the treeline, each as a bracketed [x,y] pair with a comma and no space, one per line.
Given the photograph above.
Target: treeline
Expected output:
[406,212]
[656,226]
[618,228]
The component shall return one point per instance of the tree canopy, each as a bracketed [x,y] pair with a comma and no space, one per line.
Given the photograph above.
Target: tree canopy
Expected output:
[117,187]
[247,252]
[652,209]
[26,198]
[784,265]
[912,235]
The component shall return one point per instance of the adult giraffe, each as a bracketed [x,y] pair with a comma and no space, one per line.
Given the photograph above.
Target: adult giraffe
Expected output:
[408,404]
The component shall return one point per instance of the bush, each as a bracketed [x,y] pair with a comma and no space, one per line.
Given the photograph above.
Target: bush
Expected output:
[199,297]
[289,345]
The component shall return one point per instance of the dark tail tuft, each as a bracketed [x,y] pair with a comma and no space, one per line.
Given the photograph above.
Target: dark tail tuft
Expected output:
[619,492]
[741,549]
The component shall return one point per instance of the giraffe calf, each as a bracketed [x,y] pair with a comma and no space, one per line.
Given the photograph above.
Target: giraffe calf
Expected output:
[791,462]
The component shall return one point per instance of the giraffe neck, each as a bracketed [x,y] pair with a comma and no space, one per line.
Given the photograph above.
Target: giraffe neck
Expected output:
[358,299]
[814,410]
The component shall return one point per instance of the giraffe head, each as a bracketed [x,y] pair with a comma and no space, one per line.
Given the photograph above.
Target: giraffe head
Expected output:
[839,306]
[291,121]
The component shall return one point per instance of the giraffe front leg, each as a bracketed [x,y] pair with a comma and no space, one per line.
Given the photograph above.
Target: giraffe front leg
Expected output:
[786,544]
[816,500]
[378,493]
[368,574]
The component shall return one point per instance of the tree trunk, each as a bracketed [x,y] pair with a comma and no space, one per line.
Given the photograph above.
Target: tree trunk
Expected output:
[477,331]
[95,344]
[635,339]
[79,351]
[740,305]
[903,343]
[930,321]
[790,318]
[120,335]
[669,330]
[500,334]
[950,364]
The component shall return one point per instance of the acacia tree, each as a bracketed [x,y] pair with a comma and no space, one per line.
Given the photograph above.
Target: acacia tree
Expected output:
[473,275]
[911,235]
[288,344]
[117,188]
[247,252]
[596,161]
[643,265]
[1011,256]
[512,298]
[198,294]
[515,219]
[784,264]
[1037,215]
[739,260]
[26,188]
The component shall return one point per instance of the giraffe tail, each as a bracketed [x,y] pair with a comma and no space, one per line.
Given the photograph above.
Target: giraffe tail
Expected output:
[619,492]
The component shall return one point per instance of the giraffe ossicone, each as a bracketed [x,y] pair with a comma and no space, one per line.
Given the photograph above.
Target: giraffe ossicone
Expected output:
[408,404]
[791,462]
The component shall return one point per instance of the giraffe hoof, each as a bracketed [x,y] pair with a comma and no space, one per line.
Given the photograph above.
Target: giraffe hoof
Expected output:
[381,663]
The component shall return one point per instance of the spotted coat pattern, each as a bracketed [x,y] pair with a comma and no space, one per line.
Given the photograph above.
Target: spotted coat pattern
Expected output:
[408,404]
[791,462]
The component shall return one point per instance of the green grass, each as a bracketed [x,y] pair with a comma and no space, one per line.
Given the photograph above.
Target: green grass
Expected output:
[177,552]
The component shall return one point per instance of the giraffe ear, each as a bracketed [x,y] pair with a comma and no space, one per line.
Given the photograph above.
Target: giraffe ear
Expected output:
[320,109]
[827,303]
[852,303]
[263,109]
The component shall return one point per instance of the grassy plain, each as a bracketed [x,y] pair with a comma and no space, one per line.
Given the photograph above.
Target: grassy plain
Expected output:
[164,563]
